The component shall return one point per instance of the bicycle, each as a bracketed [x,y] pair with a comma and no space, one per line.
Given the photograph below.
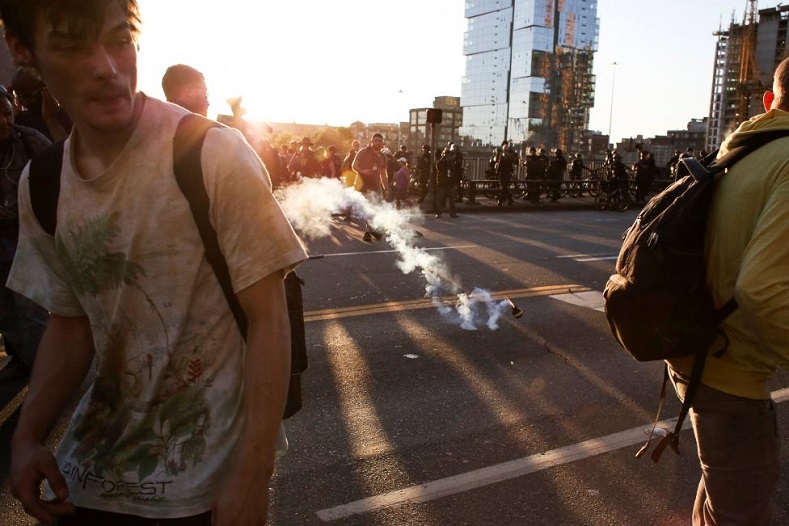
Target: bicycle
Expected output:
[613,195]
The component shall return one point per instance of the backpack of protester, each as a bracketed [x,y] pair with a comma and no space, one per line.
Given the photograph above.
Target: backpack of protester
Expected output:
[45,168]
[657,303]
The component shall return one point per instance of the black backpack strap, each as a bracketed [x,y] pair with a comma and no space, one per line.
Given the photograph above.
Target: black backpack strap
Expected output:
[44,179]
[188,168]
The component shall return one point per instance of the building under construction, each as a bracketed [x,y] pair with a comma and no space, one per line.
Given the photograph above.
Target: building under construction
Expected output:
[746,54]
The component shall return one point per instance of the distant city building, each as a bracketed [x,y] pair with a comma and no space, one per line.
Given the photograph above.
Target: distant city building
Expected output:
[448,130]
[664,146]
[529,71]
[746,54]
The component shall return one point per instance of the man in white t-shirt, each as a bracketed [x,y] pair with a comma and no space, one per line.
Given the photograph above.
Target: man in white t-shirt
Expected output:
[183,419]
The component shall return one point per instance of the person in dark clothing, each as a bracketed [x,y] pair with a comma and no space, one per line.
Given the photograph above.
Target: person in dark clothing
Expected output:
[22,322]
[619,176]
[331,165]
[403,153]
[505,167]
[277,171]
[445,184]
[304,162]
[577,167]
[456,166]
[535,172]
[38,109]
[423,163]
[643,171]
[672,163]
[557,166]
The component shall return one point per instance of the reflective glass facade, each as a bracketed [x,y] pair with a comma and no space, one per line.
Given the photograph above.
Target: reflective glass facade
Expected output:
[512,68]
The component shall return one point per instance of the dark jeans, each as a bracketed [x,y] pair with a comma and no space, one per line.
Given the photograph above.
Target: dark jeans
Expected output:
[22,322]
[739,452]
[505,196]
[88,517]
[444,192]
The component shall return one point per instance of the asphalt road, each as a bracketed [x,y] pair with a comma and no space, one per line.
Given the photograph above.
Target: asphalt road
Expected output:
[411,420]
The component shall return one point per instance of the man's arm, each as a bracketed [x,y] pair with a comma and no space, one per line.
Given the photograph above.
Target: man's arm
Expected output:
[62,362]
[356,165]
[243,500]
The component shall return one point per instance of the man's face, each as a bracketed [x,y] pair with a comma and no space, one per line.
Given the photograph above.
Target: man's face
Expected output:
[355,145]
[378,143]
[6,119]
[94,77]
[28,91]
[194,98]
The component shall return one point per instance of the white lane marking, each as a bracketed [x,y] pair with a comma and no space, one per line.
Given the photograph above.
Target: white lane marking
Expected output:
[583,258]
[576,256]
[504,471]
[602,258]
[591,299]
[458,247]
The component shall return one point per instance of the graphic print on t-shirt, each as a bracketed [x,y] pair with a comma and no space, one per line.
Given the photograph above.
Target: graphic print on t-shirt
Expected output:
[170,421]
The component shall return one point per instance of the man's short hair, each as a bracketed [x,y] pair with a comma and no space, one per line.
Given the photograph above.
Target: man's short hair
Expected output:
[378,135]
[180,76]
[782,80]
[81,17]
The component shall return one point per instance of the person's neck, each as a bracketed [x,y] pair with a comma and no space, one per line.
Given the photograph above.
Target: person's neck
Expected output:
[96,150]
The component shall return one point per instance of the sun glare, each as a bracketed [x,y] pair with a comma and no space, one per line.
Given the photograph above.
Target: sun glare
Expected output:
[306,61]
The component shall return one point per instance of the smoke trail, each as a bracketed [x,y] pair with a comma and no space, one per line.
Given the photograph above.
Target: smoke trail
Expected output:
[309,205]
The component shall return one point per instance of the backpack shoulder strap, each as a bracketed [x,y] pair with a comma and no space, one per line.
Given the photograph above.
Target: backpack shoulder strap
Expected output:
[44,179]
[188,168]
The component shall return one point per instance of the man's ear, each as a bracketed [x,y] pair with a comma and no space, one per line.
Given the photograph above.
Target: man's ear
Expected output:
[22,54]
[767,100]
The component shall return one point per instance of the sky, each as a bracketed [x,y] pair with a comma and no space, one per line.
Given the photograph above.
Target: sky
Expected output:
[335,62]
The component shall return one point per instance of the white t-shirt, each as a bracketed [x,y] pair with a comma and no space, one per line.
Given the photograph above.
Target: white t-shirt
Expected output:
[154,434]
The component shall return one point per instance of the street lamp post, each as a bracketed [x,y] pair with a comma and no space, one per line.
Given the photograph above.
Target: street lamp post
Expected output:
[611,109]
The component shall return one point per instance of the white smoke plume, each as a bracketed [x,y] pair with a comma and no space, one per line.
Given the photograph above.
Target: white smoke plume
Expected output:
[309,205]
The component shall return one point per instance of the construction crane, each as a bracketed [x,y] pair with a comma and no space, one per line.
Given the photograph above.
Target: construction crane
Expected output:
[749,83]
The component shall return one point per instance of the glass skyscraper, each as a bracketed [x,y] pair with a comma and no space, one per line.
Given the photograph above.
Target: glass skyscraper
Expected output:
[528,79]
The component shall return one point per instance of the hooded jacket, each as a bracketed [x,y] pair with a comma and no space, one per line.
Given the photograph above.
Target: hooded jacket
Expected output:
[747,248]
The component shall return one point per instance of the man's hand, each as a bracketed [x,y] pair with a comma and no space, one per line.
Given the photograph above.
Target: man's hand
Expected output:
[32,463]
[243,500]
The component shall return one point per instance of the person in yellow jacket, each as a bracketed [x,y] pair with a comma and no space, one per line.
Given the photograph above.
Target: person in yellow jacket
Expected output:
[747,247]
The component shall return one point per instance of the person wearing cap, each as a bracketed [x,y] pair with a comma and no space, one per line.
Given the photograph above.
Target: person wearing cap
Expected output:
[304,162]
[401,180]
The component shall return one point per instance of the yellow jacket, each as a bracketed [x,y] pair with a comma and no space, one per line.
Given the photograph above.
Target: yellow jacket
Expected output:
[747,247]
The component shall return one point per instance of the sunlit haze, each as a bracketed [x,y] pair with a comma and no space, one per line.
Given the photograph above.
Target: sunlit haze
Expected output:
[324,62]
[310,61]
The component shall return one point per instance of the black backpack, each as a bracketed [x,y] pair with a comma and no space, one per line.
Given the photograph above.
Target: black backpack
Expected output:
[657,303]
[45,168]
